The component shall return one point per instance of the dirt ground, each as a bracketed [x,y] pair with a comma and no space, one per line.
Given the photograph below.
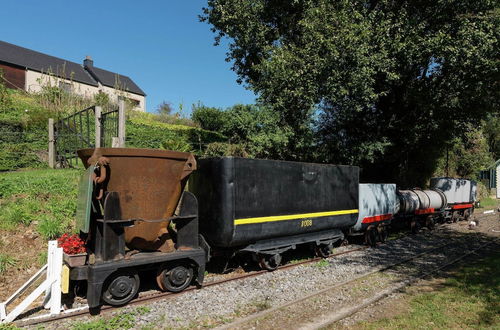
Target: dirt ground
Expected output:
[27,247]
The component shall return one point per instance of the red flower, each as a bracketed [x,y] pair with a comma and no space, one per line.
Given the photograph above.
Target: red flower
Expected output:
[71,244]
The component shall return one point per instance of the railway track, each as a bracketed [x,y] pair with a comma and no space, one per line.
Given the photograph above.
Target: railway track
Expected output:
[259,319]
[83,311]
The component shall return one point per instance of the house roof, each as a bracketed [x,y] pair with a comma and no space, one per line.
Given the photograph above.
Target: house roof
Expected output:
[43,63]
[115,80]
[36,61]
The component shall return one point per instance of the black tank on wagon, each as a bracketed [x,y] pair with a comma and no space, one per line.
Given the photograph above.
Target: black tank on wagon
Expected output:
[265,207]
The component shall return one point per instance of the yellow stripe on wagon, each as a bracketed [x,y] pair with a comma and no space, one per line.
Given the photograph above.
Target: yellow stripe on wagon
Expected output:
[248,221]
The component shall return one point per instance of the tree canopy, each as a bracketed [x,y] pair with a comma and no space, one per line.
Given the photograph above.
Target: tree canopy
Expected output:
[387,85]
[255,130]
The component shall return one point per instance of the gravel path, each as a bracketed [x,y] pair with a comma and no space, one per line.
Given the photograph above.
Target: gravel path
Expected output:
[221,304]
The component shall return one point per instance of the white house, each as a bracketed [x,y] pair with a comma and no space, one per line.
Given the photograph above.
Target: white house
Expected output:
[29,70]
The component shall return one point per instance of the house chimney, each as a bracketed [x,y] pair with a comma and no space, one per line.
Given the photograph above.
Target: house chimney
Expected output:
[88,62]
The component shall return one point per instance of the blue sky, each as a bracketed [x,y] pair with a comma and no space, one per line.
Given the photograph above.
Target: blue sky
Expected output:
[161,45]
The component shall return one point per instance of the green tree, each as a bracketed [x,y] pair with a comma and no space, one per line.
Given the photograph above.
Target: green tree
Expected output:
[492,132]
[467,154]
[258,129]
[212,119]
[253,131]
[389,83]
[165,108]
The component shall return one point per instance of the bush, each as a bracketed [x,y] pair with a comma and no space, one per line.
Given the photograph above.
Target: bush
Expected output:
[482,191]
[259,130]
[21,147]
[20,155]
[177,144]
[144,131]
[218,149]
[212,119]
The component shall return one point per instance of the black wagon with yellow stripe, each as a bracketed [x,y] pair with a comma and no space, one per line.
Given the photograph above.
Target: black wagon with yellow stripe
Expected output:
[265,207]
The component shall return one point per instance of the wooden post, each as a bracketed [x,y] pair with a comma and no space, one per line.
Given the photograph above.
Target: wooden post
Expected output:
[52,149]
[115,142]
[98,112]
[121,123]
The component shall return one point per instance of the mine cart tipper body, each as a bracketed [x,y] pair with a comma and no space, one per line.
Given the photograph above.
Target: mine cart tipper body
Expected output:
[125,212]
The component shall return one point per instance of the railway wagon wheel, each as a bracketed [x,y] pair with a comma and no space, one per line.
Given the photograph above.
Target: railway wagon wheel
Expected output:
[415,226]
[324,250]
[121,287]
[174,278]
[467,214]
[455,216]
[371,236]
[269,262]
[382,233]
[429,222]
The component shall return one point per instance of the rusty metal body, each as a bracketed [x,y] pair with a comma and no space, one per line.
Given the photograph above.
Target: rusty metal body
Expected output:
[149,183]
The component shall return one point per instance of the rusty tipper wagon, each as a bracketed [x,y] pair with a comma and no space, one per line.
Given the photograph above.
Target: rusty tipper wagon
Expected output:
[126,208]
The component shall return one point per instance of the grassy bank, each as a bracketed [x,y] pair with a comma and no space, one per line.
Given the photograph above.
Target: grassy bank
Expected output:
[24,135]
[469,299]
[43,198]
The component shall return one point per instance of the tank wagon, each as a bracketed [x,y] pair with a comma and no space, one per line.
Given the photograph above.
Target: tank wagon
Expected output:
[378,204]
[421,207]
[265,207]
[461,194]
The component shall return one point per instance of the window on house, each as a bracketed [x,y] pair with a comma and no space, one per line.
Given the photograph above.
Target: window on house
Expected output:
[135,103]
[130,101]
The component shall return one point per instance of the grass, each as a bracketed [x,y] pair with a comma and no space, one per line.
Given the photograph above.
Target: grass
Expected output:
[469,299]
[45,197]
[42,257]
[6,262]
[124,320]
[322,263]
[489,202]
[8,327]
[298,260]
[121,321]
